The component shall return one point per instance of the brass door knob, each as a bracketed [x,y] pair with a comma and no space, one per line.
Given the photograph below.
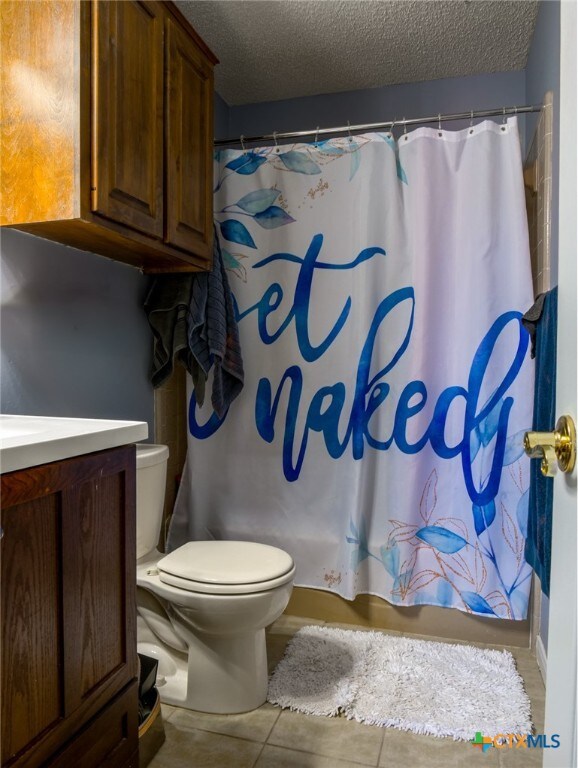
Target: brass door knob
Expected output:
[556,449]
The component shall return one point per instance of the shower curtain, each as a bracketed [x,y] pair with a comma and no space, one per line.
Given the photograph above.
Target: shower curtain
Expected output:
[378,286]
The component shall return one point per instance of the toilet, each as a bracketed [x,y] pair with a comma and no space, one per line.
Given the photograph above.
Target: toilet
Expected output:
[202,609]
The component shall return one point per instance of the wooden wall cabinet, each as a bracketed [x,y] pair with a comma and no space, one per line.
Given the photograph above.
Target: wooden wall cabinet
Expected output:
[107,129]
[68,656]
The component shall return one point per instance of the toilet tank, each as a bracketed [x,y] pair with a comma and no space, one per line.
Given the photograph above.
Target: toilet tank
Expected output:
[151,474]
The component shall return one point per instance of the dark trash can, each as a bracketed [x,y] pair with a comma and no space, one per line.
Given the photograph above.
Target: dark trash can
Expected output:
[151,731]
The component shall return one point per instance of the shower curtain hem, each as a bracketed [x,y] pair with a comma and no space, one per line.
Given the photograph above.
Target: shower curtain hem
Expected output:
[421,602]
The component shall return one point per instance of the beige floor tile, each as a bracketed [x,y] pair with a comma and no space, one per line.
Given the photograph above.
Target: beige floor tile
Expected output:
[523,655]
[334,737]
[255,725]
[236,741]
[276,645]
[538,715]
[402,749]
[533,682]
[526,663]
[167,711]
[184,748]
[279,757]
[521,758]
[534,686]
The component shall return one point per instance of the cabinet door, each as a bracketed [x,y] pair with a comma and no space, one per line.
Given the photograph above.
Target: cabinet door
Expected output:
[127,146]
[68,601]
[189,137]
[32,627]
[99,567]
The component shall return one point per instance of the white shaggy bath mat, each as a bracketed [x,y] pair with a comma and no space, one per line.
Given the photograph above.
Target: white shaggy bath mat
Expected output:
[414,685]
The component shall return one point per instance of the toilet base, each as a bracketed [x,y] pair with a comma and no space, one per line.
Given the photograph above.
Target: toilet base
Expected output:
[210,646]
[222,675]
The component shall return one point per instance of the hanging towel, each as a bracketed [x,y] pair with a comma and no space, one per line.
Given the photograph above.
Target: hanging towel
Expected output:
[192,317]
[167,309]
[541,322]
[213,334]
[531,319]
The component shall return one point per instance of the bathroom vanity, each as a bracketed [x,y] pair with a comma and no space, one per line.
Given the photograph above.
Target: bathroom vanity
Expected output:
[69,663]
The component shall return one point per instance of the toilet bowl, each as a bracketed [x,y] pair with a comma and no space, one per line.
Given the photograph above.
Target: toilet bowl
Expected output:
[202,609]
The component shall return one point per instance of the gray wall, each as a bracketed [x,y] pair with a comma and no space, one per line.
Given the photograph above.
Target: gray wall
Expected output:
[410,100]
[75,341]
[221,117]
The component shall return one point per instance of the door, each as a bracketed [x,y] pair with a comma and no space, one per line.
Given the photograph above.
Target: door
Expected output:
[561,679]
[189,136]
[127,149]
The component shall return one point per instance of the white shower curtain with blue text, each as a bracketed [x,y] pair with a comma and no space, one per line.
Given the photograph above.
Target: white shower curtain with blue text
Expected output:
[379,286]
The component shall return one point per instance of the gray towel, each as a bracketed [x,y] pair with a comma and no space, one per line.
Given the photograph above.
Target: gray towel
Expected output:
[193,319]
[213,333]
[167,308]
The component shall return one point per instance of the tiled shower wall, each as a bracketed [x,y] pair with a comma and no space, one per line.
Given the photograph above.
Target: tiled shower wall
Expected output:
[538,184]
[538,181]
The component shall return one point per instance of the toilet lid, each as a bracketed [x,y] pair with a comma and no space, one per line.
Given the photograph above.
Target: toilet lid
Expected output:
[226,562]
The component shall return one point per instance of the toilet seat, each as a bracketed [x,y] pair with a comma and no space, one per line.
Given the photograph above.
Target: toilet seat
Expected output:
[226,567]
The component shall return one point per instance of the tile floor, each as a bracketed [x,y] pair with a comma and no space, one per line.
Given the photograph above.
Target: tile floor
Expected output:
[271,737]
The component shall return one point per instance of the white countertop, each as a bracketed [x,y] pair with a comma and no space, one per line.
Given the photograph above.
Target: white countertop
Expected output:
[26,441]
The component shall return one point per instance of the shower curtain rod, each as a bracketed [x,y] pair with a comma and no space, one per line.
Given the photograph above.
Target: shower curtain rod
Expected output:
[503,111]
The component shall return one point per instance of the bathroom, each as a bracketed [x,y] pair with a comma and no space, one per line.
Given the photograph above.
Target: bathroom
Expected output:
[76,343]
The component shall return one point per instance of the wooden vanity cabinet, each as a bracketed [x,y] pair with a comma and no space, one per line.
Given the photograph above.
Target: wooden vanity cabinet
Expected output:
[68,656]
[107,129]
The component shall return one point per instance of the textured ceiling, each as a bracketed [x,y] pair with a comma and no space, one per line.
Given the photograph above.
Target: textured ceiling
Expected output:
[280,49]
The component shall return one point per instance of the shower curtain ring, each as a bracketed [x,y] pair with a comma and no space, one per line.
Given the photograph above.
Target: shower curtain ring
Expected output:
[349,130]
[242,139]
[439,124]
[503,115]
[316,134]
[404,129]
[471,117]
[275,140]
